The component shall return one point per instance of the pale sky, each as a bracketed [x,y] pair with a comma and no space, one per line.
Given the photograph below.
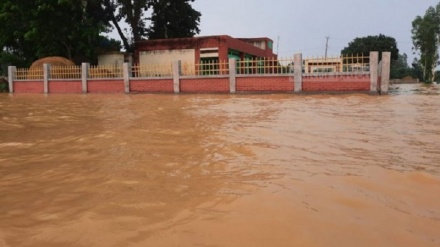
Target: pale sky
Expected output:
[302,25]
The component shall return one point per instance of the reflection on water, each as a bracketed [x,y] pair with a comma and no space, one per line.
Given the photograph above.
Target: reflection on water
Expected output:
[221,170]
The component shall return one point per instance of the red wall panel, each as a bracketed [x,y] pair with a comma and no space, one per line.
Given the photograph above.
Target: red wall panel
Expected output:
[28,86]
[336,83]
[204,85]
[60,86]
[265,84]
[105,86]
[152,86]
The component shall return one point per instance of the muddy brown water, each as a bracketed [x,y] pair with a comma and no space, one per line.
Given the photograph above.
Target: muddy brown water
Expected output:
[221,170]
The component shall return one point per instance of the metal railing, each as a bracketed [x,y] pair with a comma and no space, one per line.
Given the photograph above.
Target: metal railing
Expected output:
[262,66]
[65,72]
[341,64]
[205,68]
[29,74]
[105,72]
[356,63]
[353,64]
[152,70]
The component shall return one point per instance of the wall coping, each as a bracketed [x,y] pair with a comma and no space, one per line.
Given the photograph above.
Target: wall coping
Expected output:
[263,75]
[29,80]
[151,78]
[105,79]
[205,77]
[66,80]
[337,74]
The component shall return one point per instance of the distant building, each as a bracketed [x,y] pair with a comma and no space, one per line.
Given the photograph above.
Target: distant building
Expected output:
[336,64]
[322,65]
[199,50]
[115,58]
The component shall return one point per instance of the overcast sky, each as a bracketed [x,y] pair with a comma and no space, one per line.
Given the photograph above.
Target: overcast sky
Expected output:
[302,25]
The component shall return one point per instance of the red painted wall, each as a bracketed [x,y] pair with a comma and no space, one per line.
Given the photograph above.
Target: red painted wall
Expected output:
[59,86]
[205,85]
[336,83]
[28,86]
[105,86]
[340,83]
[152,86]
[265,84]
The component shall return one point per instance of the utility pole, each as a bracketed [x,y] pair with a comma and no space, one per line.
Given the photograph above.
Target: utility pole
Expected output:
[278,45]
[326,46]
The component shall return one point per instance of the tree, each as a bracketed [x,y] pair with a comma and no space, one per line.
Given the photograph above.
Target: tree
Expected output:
[437,74]
[71,28]
[106,44]
[35,29]
[400,67]
[425,35]
[173,19]
[169,19]
[416,70]
[363,46]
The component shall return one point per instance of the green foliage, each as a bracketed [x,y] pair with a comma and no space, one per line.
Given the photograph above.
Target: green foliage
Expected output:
[437,74]
[169,19]
[8,59]
[417,70]
[108,45]
[367,44]
[30,30]
[4,85]
[173,19]
[132,13]
[35,29]
[400,67]
[425,35]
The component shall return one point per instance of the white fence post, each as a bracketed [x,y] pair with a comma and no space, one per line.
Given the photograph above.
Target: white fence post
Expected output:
[84,76]
[386,70]
[297,72]
[374,61]
[176,76]
[12,75]
[232,75]
[46,70]
[126,71]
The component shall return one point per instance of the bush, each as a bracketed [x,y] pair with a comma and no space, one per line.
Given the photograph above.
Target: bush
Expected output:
[4,85]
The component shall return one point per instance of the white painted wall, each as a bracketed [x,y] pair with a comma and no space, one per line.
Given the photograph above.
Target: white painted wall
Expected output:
[167,56]
[116,59]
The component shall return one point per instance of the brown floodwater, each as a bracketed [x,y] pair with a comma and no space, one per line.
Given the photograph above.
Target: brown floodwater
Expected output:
[221,170]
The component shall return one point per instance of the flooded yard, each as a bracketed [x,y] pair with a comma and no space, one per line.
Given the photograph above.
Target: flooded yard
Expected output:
[221,170]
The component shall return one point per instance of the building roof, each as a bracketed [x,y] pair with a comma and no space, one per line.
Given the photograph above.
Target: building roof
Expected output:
[239,44]
[225,37]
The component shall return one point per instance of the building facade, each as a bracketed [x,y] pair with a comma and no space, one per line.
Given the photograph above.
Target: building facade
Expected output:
[199,50]
[336,64]
[322,65]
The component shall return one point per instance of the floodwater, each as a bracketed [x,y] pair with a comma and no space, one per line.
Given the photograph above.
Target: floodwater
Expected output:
[221,170]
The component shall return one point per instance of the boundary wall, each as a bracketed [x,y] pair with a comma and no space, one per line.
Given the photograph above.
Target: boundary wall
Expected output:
[376,81]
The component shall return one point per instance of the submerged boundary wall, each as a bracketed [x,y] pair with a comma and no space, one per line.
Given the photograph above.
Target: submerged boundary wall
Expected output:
[376,81]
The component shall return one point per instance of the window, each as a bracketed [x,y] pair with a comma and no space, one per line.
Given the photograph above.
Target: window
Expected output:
[234,54]
[209,66]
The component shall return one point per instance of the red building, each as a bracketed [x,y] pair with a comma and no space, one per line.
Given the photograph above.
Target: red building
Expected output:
[200,49]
